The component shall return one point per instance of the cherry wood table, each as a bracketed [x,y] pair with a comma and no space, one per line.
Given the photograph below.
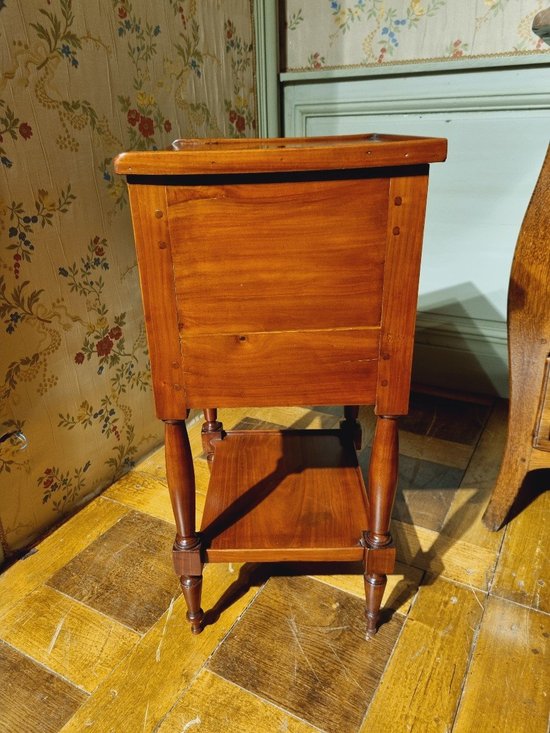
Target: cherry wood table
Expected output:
[281,272]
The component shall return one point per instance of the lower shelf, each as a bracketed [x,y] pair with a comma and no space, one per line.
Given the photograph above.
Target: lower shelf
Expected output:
[285,495]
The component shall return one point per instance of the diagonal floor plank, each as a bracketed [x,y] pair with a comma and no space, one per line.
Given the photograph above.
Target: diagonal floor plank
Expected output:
[126,573]
[508,684]
[421,688]
[76,642]
[302,646]
[523,569]
[140,691]
[33,700]
[212,704]
[57,549]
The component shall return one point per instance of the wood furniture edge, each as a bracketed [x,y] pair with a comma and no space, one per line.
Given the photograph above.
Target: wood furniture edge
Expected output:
[222,156]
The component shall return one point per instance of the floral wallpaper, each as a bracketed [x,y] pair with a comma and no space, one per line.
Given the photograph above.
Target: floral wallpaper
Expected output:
[81,82]
[353,33]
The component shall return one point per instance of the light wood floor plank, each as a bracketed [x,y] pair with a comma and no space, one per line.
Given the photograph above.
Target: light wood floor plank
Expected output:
[436,450]
[212,704]
[508,685]
[523,569]
[287,417]
[441,555]
[154,464]
[400,590]
[486,459]
[421,688]
[146,685]
[143,492]
[67,637]
[464,516]
[57,549]
[149,494]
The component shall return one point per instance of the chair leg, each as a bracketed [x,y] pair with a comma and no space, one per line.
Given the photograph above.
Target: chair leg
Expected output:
[379,558]
[187,547]
[510,479]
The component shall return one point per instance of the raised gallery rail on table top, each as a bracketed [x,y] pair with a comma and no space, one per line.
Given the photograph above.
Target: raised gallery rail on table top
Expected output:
[264,155]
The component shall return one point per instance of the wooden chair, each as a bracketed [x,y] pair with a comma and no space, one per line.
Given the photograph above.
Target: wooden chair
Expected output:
[281,272]
[528,442]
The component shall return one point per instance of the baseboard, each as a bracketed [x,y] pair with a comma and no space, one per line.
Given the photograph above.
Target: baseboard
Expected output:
[461,353]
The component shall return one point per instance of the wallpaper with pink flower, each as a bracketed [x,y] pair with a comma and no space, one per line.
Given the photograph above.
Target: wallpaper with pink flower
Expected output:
[354,33]
[81,82]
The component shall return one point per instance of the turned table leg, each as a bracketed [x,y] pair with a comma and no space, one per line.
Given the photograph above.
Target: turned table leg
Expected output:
[212,428]
[186,551]
[351,425]
[379,556]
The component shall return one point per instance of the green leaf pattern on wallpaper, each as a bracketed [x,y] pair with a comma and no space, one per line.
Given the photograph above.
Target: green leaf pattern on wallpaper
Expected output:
[347,33]
[79,86]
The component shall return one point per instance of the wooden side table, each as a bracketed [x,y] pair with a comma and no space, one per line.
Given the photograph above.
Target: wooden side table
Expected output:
[281,272]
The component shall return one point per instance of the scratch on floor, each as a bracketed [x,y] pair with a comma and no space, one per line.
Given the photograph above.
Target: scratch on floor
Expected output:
[190,724]
[294,630]
[56,634]
[417,653]
[146,716]
[452,678]
[343,666]
[475,594]
[99,654]
[168,615]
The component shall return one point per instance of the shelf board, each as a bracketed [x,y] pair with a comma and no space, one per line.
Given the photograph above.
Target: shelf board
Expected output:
[285,495]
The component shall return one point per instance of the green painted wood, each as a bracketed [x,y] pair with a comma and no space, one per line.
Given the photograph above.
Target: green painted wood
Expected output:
[497,121]
[406,69]
[266,25]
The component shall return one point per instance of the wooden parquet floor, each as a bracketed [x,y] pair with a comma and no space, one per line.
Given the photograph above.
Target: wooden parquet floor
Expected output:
[93,634]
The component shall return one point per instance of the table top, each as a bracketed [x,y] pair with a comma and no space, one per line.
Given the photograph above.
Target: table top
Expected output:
[258,155]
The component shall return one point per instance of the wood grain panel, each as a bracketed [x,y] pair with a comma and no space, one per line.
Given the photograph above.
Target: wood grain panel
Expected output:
[32,699]
[421,689]
[285,495]
[507,688]
[278,256]
[67,637]
[213,704]
[407,205]
[157,288]
[284,368]
[302,645]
